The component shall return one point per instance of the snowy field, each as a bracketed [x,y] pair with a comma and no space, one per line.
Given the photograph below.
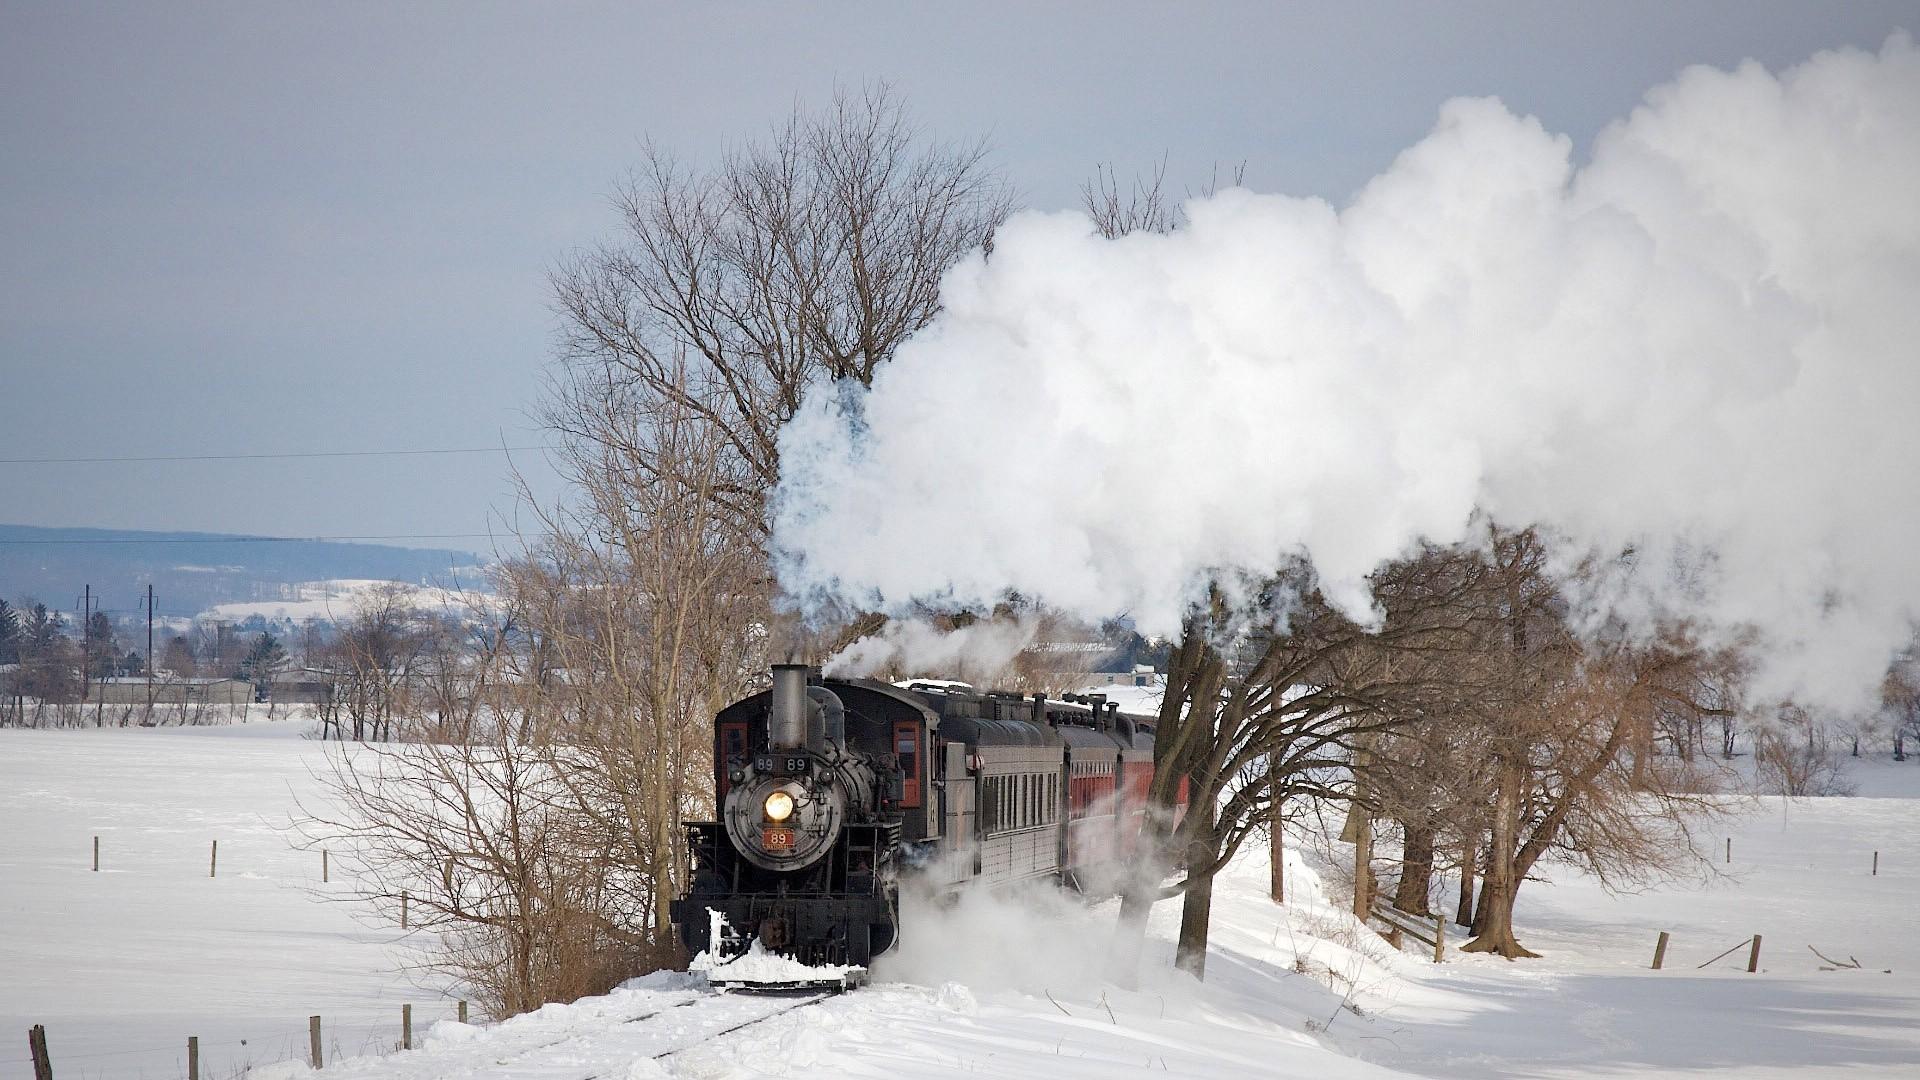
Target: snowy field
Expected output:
[122,965]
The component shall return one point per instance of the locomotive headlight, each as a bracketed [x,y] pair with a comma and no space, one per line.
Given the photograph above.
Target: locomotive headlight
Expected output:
[779,806]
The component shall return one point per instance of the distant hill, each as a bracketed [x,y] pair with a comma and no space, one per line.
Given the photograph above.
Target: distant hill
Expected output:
[191,572]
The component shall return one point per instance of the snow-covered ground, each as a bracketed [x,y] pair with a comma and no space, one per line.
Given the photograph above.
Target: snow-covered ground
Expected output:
[122,965]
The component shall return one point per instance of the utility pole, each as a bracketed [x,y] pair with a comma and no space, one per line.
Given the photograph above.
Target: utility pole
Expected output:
[86,646]
[149,650]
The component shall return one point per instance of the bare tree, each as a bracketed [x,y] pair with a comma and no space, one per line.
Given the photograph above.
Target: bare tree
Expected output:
[1794,756]
[1558,721]
[1146,205]
[650,607]
[1254,719]
[802,258]
[510,889]
[371,665]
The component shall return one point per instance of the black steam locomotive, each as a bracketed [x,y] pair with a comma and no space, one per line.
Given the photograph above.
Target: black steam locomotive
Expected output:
[829,791]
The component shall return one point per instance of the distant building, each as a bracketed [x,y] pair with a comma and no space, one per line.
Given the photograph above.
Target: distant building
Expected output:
[300,687]
[172,690]
[1141,675]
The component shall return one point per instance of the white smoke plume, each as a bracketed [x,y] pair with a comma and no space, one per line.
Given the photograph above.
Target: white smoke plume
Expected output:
[1704,339]
[977,652]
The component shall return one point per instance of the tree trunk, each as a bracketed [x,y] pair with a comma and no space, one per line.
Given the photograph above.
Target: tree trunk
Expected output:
[1196,916]
[1493,923]
[1362,864]
[1463,916]
[1196,907]
[1416,869]
[1494,934]
[1130,933]
[1277,855]
[1276,844]
[1358,830]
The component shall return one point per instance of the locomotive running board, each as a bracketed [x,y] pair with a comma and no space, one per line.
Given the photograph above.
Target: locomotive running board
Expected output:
[853,979]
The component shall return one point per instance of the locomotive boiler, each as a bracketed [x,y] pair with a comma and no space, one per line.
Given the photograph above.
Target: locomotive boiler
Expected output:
[831,792]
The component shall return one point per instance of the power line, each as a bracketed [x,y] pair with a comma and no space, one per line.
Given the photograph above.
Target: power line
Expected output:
[257,539]
[265,457]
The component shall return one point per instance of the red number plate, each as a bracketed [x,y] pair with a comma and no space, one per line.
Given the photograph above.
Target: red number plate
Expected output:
[777,839]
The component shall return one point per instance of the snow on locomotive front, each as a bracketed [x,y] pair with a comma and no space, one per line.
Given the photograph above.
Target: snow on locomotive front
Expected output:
[802,858]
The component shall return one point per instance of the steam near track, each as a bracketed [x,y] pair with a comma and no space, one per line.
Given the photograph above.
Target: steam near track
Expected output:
[1696,340]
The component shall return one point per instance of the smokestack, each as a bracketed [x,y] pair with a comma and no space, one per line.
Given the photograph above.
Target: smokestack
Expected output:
[787,720]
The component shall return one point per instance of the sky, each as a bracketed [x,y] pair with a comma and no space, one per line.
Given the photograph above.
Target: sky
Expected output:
[273,228]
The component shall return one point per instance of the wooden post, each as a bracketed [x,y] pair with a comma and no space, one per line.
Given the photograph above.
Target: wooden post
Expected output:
[1753,958]
[1729,849]
[403,911]
[1439,937]
[1876,864]
[96,855]
[406,1027]
[313,1042]
[213,859]
[37,1046]
[1660,951]
[323,866]
[446,875]
[1393,935]
[463,1010]
[193,1057]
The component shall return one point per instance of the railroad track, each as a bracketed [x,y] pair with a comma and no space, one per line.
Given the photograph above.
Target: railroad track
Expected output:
[524,1054]
[784,1005]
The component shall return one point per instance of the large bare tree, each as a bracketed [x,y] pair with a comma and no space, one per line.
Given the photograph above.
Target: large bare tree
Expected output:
[806,256]
[1254,718]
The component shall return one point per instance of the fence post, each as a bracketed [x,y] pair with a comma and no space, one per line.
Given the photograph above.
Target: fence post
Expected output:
[406,1027]
[323,866]
[403,911]
[213,859]
[313,1042]
[193,1057]
[1660,950]
[1876,864]
[1729,849]
[463,1010]
[37,1046]
[1753,958]
[1439,937]
[96,855]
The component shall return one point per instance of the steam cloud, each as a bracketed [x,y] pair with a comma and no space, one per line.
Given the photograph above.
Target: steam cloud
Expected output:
[1702,343]
[979,651]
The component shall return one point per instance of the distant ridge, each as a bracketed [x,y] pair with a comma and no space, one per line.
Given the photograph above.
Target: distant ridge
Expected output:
[192,571]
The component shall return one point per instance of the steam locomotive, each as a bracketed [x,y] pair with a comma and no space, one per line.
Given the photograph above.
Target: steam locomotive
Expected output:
[832,791]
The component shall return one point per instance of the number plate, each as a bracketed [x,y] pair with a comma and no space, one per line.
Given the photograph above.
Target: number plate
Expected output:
[777,839]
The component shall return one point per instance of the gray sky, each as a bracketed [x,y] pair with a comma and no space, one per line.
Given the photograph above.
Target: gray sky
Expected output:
[271,227]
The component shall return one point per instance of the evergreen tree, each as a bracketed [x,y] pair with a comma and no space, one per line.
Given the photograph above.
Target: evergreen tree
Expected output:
[43,629]
[9,634]
[265,655]
[103,651]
